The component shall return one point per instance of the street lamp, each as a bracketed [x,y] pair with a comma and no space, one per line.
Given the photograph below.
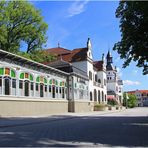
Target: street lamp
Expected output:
[126,96]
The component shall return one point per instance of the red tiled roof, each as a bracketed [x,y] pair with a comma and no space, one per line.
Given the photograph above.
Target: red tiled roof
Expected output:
[75,55]
[141,91]
[98,65]
[58,51]
[79,54]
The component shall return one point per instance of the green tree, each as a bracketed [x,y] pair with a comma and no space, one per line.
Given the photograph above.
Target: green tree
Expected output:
[21,22]
[133,46]
[131,101]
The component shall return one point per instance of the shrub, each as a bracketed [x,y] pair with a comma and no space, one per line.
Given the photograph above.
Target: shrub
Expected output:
[112,102]
[100,107]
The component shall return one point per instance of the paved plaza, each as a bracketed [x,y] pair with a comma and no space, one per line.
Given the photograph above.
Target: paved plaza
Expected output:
[127,128]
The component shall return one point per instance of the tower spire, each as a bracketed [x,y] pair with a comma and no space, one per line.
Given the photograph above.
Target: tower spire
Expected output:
[89,44]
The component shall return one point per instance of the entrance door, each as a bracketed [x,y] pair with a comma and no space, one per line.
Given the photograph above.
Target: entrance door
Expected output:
[26,88]
[41,90]
[7,86]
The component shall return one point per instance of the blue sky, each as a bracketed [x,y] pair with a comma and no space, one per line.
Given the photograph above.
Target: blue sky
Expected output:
[71,22]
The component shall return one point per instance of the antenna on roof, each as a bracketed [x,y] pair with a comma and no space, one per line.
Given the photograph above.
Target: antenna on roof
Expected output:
[58,44]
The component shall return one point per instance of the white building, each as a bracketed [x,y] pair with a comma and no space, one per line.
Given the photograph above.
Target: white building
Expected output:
[73,82]
[114,83]
[82,60]
[141,95]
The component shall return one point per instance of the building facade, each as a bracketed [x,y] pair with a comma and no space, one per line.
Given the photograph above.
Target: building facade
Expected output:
[141,95]
[73,82]
[82,60]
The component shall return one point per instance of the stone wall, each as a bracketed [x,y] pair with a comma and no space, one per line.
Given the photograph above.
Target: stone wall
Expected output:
[80,106]
[14,107]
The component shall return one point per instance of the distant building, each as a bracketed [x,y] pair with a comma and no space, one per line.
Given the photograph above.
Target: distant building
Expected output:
[142,96]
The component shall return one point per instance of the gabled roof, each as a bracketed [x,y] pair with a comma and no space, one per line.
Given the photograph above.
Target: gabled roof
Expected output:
[75,55]
[79,54]
[98,65]
[58,51]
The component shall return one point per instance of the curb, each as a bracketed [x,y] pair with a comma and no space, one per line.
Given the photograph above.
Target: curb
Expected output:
[66,117]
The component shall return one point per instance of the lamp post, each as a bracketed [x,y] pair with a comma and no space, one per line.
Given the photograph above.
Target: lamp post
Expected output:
[126,95]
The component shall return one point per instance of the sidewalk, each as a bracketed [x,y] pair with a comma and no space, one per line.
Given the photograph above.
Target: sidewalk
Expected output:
[21,121]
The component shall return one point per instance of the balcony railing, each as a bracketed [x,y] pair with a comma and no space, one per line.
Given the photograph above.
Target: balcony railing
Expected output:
[98,84]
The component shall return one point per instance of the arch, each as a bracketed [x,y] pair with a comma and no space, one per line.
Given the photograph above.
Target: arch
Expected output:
[95,95]
[6,71]
[91,96]
[41,79]
[26,84]
[99,98]
[7,85]
[53,82]
[102,96]
[26,76]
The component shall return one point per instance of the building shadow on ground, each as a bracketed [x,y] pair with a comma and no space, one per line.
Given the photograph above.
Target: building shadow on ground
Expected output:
[72,131]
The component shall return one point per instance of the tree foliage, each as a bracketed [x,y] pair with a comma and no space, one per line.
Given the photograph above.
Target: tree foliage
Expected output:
[133,46]
[112,102]
[131,101]
[21,22]
[38,56]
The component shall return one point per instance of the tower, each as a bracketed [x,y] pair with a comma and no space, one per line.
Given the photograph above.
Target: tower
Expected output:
[109,59]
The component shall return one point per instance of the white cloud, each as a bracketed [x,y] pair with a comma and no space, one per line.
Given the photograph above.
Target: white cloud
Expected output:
[77,7]
[129,82]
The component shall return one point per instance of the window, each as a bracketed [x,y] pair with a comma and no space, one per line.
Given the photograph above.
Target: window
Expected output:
[63,93]
[21,84]
[60,90]
[95,78]
[31,85]
[13,83]
[45,88]
[49,88]
[99,81]
[37,86]
[90,75]
[56,89]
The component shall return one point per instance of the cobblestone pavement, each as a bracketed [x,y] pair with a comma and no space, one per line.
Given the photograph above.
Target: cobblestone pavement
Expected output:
[128,128]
